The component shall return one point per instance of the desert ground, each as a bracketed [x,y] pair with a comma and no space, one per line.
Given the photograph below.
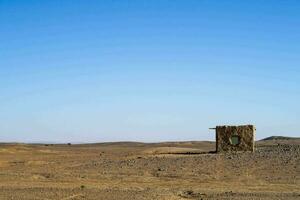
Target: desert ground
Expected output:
[128,170]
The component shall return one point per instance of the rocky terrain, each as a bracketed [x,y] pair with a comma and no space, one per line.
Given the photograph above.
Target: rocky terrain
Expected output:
[125,170]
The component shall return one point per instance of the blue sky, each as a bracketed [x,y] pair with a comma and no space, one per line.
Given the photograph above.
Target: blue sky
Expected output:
[111,70]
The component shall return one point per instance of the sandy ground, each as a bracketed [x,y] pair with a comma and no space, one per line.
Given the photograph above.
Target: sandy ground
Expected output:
[186,170]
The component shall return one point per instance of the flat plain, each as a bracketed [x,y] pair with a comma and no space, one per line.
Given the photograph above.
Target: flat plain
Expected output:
[129,170]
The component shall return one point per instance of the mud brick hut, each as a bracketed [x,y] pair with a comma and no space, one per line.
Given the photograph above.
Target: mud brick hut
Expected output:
[235,138]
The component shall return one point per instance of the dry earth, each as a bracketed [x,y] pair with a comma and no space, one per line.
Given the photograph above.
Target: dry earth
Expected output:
[185,170]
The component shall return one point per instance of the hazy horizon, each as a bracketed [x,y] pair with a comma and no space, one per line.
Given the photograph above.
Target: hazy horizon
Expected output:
[147,71]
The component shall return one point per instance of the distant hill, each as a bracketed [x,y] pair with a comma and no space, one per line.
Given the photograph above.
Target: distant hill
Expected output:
[280,138]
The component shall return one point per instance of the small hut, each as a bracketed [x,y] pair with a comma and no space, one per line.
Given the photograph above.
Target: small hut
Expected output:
[235,138]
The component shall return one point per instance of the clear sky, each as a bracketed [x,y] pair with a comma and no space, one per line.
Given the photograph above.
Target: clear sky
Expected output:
[147,70]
